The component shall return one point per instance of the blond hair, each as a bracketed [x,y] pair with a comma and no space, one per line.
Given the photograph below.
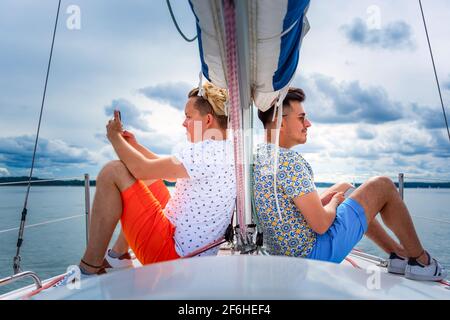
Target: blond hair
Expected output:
[213,100]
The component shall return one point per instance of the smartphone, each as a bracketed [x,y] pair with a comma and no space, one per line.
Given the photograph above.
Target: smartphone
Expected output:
[349,192]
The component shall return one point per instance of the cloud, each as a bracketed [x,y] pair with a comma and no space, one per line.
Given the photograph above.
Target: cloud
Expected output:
[365,133]
[17,152]
[447,84]
[131,115]
[441,145]
[328,101]
[159,143]
[361,130]
[429,118]
[173,93]
[402,139]
[4,172]
[394,36]
[332,102]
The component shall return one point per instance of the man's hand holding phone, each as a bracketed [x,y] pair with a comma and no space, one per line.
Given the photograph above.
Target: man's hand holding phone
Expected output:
[114,126]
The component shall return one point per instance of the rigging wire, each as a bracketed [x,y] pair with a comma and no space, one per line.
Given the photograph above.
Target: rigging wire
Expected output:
[44,223]
[434,68]
[17,258]
[176,23]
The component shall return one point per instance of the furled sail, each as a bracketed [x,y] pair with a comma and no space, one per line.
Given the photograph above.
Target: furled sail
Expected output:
[275,32]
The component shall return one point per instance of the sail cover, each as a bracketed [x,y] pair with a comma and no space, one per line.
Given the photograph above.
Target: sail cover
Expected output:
[276,29]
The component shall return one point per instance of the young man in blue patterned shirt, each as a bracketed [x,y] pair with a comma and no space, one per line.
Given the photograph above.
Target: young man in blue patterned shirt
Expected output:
[327,226]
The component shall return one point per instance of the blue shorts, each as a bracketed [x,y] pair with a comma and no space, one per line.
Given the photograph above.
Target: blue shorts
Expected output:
[347,229]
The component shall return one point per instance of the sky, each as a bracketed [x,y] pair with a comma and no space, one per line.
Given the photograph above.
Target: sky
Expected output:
[364,65]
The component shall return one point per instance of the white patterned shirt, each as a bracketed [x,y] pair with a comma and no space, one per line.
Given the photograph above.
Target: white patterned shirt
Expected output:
[201,206]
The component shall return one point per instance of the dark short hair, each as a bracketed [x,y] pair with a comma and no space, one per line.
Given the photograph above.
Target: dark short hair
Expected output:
[294,94]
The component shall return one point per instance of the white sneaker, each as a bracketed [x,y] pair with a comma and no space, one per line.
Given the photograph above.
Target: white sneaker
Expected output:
[122,262]
[396,264]
[432,272]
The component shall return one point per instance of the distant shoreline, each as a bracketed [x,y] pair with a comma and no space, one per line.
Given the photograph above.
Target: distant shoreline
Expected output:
[45,183]
[78,183]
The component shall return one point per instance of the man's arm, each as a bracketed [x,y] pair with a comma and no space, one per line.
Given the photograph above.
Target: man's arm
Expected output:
[319,217]
[131,139]
[146,152]
[140,167]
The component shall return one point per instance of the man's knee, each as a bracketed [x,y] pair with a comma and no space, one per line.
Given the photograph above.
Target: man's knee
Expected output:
[112,169]
[383,182]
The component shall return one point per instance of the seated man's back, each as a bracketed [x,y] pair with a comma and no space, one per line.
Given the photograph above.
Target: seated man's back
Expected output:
[291,236]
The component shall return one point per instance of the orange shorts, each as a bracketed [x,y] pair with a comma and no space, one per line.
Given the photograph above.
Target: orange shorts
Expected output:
[147,230]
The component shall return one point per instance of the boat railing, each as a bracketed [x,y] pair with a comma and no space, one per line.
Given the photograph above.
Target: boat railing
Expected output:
[21,275]
[369,257]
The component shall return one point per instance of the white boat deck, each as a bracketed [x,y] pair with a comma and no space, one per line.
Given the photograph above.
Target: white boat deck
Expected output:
[248,277]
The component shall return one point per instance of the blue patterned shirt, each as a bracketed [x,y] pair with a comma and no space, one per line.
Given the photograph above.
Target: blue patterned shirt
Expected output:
[291,236]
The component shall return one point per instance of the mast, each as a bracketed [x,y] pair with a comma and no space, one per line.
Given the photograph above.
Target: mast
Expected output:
[238,79]
[243,50]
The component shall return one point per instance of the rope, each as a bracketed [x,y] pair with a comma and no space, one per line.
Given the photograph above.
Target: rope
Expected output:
[43,223]
[44,287]
[434,68]
[353,263]
[235,112]
[206,248]
[176,23]
[279,111]
[445,282]
[24,211]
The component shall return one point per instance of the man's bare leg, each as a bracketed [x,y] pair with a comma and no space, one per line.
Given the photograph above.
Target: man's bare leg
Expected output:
[375,230]
[379,195]
[106,211]
[382,239]
[121,245]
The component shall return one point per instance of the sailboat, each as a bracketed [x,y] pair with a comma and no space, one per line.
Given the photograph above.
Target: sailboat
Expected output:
[253,49]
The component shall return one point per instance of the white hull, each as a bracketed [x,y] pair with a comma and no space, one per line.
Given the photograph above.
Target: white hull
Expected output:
[248,277]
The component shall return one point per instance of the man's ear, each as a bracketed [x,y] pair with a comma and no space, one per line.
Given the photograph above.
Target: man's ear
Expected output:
[282,122]
[209,120]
